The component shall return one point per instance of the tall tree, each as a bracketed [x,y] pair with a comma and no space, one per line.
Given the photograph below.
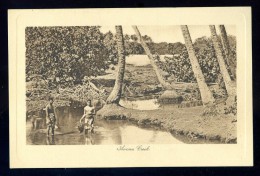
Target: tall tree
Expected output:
[230,60]
[206,95]
[115,95]
[229,84]
[161,79]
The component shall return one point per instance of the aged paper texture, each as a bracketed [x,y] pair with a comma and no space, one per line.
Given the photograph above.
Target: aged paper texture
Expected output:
[88,61]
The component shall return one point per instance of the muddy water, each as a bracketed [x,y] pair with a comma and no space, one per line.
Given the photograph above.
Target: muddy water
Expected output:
[105,132]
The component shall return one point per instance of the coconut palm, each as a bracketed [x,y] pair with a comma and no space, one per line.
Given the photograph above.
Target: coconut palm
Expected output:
[115,95]
[227,51]
[229,84]
[206,95]
[161,79]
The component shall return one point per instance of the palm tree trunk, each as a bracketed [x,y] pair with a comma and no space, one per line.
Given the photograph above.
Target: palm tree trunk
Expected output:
[226,77]
[161,79]
[206,95]
[115,95]
[226,47]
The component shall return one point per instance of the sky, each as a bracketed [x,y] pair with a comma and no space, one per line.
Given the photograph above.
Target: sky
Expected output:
[170,34]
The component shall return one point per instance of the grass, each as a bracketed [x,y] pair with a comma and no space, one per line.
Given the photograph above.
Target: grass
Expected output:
[186,121]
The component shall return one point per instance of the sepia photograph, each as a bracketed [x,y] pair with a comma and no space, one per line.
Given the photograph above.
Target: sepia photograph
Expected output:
[147,91]
[91,85]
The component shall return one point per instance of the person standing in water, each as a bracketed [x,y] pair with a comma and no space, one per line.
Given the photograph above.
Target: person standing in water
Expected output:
[88,116]
[50,117]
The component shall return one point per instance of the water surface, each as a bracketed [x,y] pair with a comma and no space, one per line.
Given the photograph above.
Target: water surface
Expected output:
[140,104]
[105,132]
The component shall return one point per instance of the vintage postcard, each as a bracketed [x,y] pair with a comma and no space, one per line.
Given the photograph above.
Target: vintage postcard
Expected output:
[130,87]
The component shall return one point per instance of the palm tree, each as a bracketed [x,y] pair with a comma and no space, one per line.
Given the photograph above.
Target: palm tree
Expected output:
[161,79]
[206,95]
[229,84]
[227,51]
[115,95]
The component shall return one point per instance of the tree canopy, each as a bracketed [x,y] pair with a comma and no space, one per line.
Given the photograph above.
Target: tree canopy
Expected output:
[65,54]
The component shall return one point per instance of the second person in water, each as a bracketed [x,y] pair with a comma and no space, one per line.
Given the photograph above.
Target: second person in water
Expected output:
[88,117]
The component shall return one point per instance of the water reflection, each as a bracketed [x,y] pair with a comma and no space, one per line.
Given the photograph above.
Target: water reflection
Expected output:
[89,140]
[140,104]
[50,140]
[105,132]
[149,104]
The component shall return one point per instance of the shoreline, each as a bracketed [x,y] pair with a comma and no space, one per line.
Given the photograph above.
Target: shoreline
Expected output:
[184,121]
[178,121]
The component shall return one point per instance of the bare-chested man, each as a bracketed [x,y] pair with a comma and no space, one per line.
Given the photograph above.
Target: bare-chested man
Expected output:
[50,117]
[88,116]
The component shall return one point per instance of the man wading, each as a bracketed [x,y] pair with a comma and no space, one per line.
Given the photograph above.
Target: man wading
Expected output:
[50,117]
[88,116]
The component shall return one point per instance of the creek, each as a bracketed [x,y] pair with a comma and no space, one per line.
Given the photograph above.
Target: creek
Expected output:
[106,132]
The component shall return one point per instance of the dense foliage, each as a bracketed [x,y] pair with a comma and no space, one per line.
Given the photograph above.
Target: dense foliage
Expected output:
[64,55]
[179,64]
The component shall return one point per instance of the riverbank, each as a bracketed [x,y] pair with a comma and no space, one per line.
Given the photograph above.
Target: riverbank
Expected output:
[140,82]
[183,121]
